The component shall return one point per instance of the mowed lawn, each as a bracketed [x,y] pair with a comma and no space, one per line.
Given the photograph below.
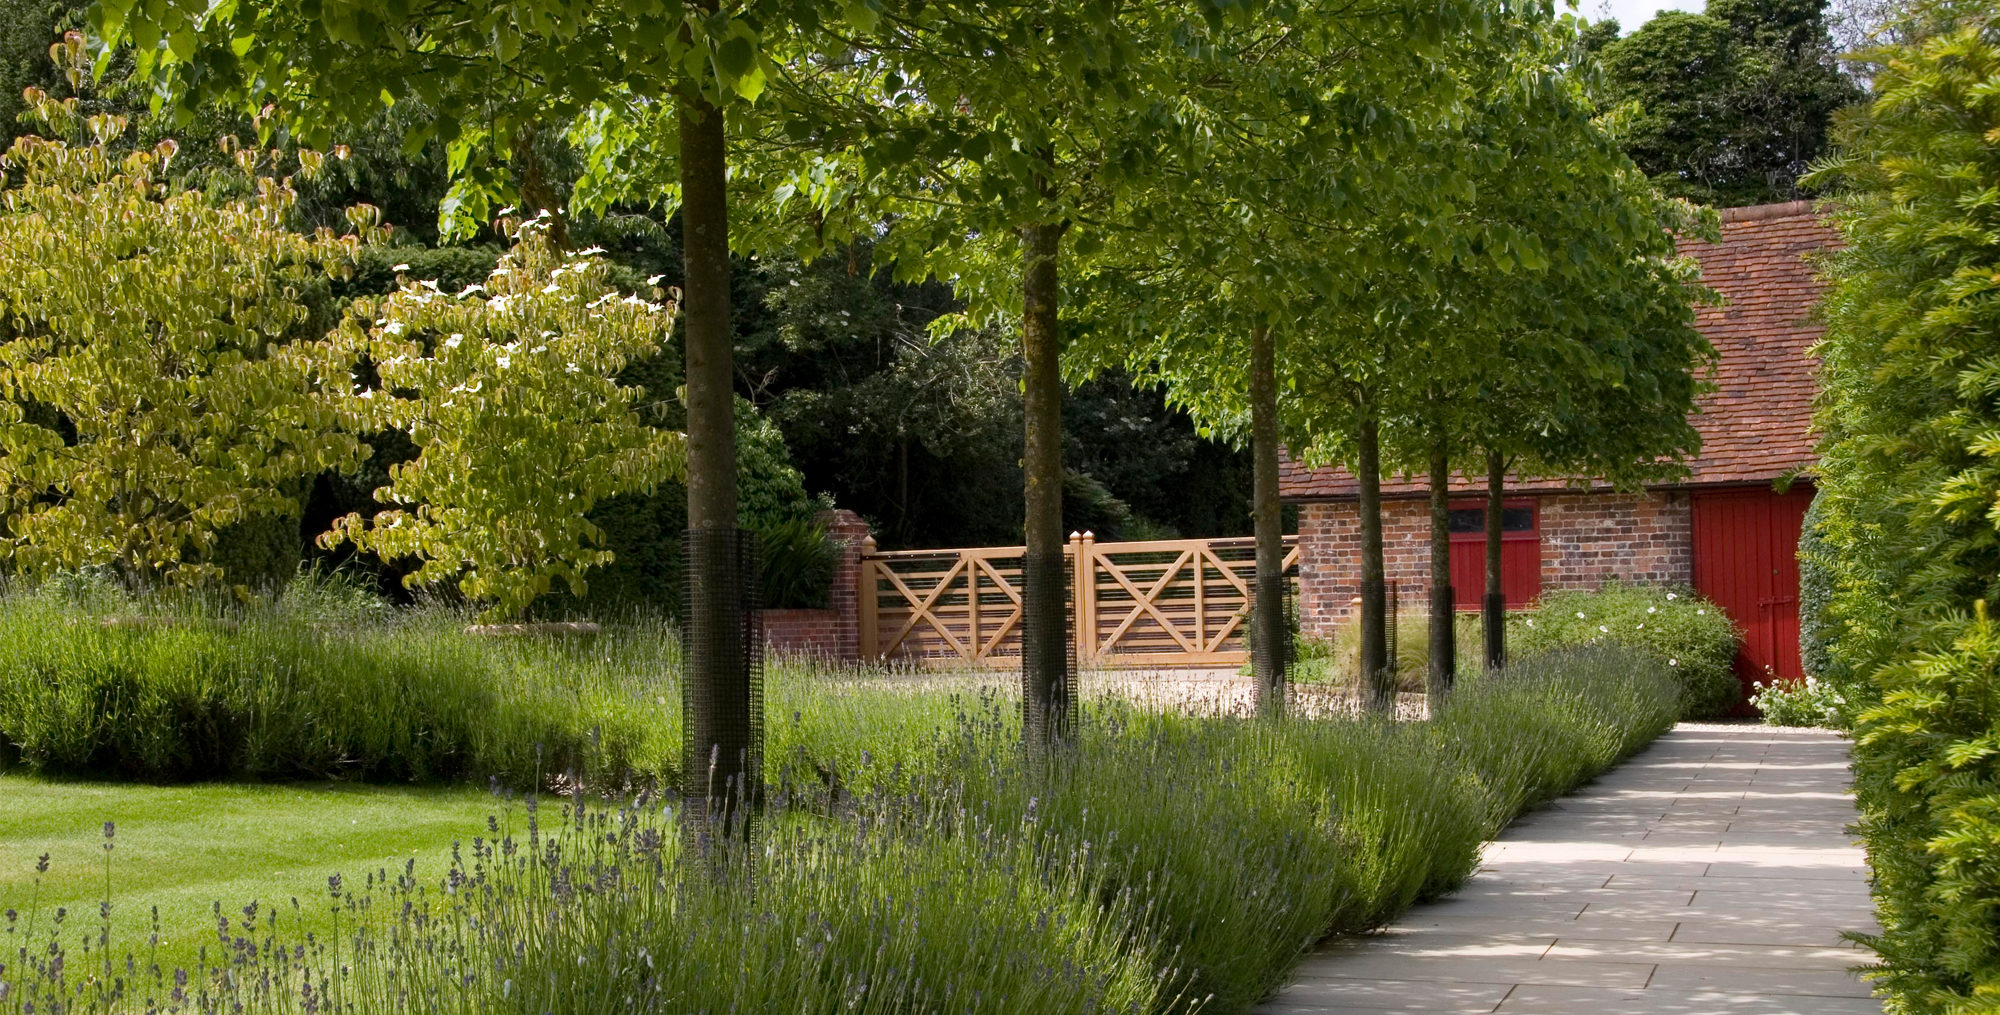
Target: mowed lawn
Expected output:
[184,848]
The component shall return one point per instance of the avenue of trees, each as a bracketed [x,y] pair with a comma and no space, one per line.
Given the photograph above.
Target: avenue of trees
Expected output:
[1405,238]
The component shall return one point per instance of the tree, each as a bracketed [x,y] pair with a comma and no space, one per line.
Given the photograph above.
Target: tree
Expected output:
[1599,395]
[500,78]
[159,377]
[1000,141]
[509,390]
[1548,249]
[1731,106]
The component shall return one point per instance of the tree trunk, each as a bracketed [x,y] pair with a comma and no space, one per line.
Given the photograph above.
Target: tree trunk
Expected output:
[1444,612]
[1378,681]
[718,693]
[1271,637]
[1047,696]
[1495,606]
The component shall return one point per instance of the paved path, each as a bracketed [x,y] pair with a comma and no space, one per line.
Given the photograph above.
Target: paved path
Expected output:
[1710,874]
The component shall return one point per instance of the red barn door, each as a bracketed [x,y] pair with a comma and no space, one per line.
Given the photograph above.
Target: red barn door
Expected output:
[1746,560]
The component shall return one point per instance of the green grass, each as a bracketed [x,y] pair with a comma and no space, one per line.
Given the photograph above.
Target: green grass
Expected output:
[185,848]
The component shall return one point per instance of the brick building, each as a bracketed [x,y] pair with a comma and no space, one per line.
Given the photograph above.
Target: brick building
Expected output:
[1724,530]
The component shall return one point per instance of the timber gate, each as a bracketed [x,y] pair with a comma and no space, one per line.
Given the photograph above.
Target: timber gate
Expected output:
[1175,602]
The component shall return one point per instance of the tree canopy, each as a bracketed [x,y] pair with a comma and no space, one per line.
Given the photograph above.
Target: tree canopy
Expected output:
[1733,105]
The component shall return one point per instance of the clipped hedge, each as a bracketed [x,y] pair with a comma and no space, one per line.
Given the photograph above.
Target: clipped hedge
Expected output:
[1816,577]
[1697,640]
[1909,473]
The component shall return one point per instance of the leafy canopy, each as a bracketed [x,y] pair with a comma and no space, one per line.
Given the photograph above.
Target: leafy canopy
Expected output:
[1733,105]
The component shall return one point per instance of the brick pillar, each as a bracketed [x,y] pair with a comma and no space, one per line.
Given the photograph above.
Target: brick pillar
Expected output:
[848,531]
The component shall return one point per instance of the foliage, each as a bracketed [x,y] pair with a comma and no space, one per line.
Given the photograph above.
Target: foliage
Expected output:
[509,390]
[1174,862]
[1731,106]
[1337,660]
[1816,576]
[1925,772]
[922,436]
[160,378]
[1909,484]
[1805,702]
[1697,640]
[319,683]
[798,559]
[27,28]
[643,531]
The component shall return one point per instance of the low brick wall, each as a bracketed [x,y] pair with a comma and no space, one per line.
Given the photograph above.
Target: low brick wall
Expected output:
[1587,539]
[813,633]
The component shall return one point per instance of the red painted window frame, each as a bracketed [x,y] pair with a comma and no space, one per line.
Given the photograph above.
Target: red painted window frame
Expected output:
[1534,530]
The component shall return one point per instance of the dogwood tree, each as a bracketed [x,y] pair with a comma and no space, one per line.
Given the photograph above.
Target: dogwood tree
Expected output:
[160,379]
[510,392]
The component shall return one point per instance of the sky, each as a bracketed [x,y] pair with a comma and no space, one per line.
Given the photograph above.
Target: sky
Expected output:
[1632,13]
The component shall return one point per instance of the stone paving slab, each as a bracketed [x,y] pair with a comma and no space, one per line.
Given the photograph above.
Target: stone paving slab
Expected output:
[1713,874]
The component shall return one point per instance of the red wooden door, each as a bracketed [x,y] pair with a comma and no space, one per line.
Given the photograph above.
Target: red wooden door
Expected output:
[1520,554]
[1746,560]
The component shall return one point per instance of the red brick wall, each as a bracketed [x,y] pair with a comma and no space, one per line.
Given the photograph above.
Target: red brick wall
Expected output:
[1587,539]
[833,633]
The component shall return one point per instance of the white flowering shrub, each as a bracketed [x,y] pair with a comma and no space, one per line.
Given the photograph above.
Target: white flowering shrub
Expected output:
[1694,637]
[510,391]
[1808,702]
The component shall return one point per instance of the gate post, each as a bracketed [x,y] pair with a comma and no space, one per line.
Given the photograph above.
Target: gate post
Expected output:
[870,616]
[1083,549]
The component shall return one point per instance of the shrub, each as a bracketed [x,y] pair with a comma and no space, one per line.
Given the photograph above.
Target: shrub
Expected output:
[510,392]
[1697,640]
[797,559]
[1807,702]
[162,383]
[321,683]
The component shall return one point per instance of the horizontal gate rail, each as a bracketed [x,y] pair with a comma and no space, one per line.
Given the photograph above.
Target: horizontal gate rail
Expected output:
[1175,602]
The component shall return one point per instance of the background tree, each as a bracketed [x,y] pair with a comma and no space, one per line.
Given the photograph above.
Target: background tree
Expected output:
[1731,106]
[161,378]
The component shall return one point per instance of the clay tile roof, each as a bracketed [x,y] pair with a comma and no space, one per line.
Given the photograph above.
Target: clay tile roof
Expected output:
[1754,426]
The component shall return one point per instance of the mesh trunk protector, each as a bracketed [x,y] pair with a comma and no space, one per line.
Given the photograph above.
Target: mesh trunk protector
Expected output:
[722,678]
[1048,651]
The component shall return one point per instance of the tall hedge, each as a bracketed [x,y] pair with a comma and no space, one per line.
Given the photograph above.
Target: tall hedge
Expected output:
[1815,595]
[1910,412]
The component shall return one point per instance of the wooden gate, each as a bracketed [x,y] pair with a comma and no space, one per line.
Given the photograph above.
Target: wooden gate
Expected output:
[1176,602]
[1746,561]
